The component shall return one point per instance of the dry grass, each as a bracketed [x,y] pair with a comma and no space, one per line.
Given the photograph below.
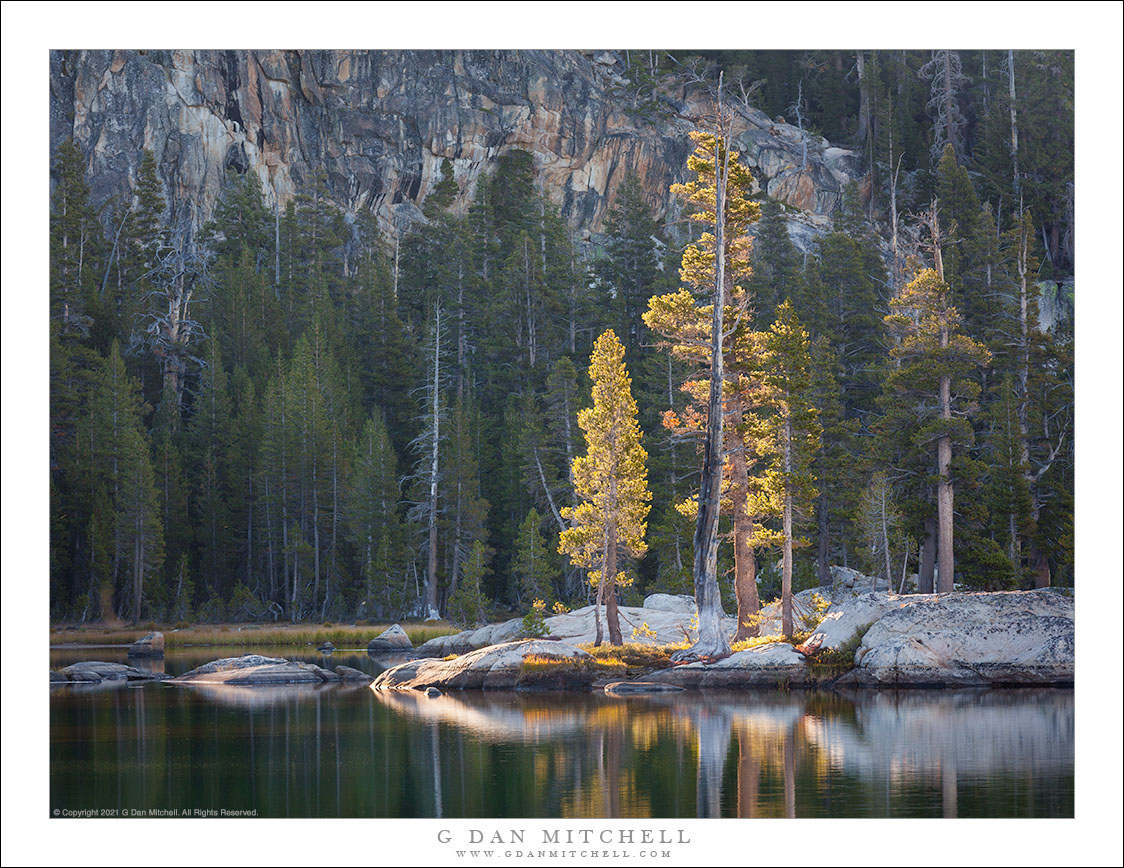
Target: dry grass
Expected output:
[249,635]
[638,657]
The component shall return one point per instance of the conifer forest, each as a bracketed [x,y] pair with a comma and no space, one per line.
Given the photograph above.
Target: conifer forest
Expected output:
[286,408]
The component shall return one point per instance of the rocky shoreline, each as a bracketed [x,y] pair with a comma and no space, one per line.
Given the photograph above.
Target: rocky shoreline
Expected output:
[864,639]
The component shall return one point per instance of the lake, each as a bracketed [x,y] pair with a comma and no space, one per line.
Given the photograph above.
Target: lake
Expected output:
[349,751]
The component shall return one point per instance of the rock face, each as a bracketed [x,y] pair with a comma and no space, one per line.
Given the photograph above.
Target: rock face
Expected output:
[391,640]
[961,639]
[95,672]
[255,669]
[495,667]
[148,645]
[681,603]
[803,613]
[578,628]
[850,614]
[761,666]
[378,124]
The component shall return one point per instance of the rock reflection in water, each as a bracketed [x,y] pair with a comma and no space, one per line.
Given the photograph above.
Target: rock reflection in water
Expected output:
[340,750]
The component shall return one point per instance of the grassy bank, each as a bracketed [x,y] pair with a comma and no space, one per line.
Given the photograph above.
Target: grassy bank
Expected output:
[248,635]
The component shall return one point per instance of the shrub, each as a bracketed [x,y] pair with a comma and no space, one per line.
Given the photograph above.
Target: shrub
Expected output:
[534,622]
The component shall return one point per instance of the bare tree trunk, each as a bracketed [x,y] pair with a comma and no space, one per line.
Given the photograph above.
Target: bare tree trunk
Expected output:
[609,580]
[1014,124]
[431,561]
[927,558]
[315,539]
[599,634]
[823,542]
[864,98]
[945,566]
[886,543]
[745,566]
[944,492]
[786,521]
[1041,569]
[276,244]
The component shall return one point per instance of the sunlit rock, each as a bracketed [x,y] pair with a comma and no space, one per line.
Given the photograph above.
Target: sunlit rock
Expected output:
[497,667]
[764,665]
[681,603]
[957,639]
[391,640]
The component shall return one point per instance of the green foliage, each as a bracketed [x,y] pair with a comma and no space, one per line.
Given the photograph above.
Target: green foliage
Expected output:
[533,566]
[534,622]
[468,606]
[256,454]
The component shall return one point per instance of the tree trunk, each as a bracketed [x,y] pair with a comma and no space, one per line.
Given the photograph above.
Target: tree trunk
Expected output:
[712,642]
[1041,569]
[927,558]
[599,634]
[886,543]
[745,567]
[944,495]
[431,561]
[864,98]
[609,580]
[823,543]
[1014,124]
[786,557]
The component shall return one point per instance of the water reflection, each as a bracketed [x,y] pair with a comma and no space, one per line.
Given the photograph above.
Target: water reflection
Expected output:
[320,750]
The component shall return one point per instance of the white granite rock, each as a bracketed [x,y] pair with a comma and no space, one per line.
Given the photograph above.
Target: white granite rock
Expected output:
[682,603]
[391,640]
[1012,637]
[761,666]
[496,666]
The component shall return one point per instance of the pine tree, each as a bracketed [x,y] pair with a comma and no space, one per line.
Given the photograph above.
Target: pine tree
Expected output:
[610,480]
[468,606]
[792,432]
[123,481]
[629,270]
[76,244]
[532,567]
[933,382]
[374,524]
[690,332]
[210,447]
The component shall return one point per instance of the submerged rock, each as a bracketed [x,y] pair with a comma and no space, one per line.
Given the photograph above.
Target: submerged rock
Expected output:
[433,692]
[148,645]
[497,667]
[964,639]
[255,669]
[95,672]
[326,647]
[640,688]
[349,674]
[762,666]
[392,639]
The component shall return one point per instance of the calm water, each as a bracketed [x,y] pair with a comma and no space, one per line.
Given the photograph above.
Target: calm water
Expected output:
[340,751]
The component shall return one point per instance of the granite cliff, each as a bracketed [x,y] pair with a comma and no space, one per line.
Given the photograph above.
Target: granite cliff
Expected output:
[377,125]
